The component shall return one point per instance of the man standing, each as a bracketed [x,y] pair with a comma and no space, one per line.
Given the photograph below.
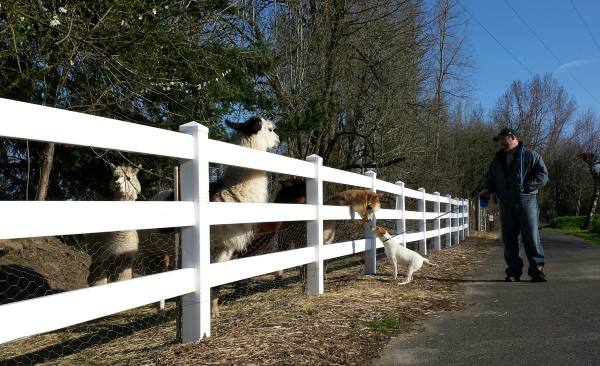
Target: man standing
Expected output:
[491,221]
[514,176]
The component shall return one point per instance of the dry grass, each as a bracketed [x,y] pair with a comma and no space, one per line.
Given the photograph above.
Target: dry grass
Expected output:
[270,322]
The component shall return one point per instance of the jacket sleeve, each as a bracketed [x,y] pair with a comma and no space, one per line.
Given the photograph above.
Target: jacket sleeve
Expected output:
[537,177]
[490,178]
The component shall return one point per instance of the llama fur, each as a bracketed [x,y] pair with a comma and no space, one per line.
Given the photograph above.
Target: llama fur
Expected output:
[115,252]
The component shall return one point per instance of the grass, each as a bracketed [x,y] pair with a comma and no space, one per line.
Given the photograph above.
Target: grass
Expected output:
[384,324]
[572,225]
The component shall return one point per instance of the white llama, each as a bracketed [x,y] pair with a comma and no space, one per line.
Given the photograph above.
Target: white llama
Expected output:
[236,185]
[115,251]
[241,185]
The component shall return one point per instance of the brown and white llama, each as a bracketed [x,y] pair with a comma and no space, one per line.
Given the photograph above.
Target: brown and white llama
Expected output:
[114,252]
[278,236]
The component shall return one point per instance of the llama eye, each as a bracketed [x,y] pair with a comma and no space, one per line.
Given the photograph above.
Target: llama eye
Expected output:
[270,130]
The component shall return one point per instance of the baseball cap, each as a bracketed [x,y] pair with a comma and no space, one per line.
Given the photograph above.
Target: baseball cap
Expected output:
[505,132]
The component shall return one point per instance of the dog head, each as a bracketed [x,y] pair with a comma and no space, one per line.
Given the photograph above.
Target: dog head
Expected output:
[366,205]
[378,230]
[373,204]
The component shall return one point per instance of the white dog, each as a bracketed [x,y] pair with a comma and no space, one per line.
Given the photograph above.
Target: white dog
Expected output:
[394,251]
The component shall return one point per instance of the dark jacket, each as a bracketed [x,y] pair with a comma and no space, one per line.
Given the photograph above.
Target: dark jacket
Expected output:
[526,174]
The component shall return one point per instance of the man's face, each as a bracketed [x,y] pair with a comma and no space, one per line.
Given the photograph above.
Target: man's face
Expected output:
[508,142]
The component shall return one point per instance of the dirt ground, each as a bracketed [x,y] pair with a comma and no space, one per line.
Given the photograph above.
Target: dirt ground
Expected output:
[269,321]
[35,267]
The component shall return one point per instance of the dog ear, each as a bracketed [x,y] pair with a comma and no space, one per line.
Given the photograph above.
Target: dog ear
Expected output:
[373,197]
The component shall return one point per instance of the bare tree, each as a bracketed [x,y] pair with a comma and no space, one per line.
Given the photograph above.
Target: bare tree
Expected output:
[539,109]
[589,137]
[450,61]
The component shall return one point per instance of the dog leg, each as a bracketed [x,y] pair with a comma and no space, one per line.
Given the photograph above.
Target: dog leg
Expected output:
[395,265]
[409,274]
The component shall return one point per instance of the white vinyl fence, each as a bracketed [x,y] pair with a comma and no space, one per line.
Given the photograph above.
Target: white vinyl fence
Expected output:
[194,214]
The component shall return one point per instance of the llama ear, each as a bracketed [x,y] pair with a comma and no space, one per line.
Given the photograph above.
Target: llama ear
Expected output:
[235,126]
[136,168]
[252,125]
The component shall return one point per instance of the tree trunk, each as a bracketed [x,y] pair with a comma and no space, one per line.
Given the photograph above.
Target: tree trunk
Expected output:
[578,202]
[590,216]
[47,162]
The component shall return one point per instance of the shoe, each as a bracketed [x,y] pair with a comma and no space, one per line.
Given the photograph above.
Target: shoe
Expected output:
[537,274]
[512,279]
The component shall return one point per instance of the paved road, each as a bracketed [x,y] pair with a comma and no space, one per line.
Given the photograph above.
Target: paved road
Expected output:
[553,323]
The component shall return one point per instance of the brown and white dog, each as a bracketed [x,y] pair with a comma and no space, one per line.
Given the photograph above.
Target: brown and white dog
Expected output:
[362,201]
[395,252]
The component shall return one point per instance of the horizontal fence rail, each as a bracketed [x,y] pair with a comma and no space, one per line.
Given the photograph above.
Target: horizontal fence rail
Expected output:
[194,214]
[81,217]
[71,128]
[34,316]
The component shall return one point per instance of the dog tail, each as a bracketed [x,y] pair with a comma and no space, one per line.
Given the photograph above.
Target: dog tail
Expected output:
[429,262]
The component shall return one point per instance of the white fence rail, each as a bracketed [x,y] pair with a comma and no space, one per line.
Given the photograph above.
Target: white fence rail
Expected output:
[194,214]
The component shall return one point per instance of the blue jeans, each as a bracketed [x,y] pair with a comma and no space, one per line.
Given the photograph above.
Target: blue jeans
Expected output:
[520,216]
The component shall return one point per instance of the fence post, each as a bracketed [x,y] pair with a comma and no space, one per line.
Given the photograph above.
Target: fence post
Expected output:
[314,229]
[400,205]
[468,218]
[448,212]
[195,240]
[422,207]
[455,239]
[437,240]
[477,215]
[371,242]
[462,220]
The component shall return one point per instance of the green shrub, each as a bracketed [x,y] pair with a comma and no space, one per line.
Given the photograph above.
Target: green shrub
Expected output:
[567,222]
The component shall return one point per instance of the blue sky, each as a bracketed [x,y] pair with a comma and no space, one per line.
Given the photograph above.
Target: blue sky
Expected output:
[557,24]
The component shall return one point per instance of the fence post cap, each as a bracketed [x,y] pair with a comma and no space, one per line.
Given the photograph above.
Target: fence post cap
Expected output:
[399,182]
[370,173]
[436,193]
[314,157]
[421,189]
[192,127]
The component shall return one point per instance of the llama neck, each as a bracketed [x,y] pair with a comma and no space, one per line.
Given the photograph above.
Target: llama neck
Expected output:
[250,184]
[251,142]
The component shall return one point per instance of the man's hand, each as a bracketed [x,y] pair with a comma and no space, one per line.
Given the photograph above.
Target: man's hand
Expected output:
[485,194]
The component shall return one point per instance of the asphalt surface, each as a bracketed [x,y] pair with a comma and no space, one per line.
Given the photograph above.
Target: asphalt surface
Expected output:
[525,323]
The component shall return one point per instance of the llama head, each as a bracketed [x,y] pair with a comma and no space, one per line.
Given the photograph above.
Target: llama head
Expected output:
[256,133]
[292,190]
[125,184]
